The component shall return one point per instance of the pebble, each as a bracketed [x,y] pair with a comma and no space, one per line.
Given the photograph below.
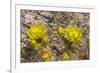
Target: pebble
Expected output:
[47,14]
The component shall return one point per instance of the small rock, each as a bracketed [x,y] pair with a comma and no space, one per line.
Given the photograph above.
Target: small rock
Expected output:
[23,29]
[46,14]
[52,24]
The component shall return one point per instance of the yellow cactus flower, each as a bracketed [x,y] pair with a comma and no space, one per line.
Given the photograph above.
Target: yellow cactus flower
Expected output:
[37,34]
[73,34]
[36,31]
[65,56]
[45,54]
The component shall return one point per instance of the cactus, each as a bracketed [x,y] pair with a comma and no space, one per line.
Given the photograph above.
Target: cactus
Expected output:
[37,34]
[72,34]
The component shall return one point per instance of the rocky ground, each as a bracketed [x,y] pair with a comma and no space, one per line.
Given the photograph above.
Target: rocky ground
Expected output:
[51,20]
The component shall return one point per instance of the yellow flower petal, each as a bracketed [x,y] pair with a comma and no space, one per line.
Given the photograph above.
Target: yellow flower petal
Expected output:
[45,56]
[65,56]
